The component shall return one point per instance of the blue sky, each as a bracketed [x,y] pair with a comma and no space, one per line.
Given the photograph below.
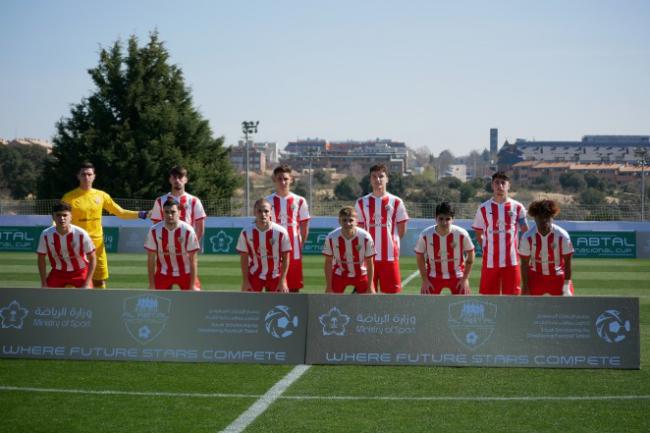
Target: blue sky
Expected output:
[430,73]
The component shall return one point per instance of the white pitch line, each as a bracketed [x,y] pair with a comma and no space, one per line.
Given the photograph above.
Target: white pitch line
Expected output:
[410,277]
[257,408]
[127,393]
[326,397]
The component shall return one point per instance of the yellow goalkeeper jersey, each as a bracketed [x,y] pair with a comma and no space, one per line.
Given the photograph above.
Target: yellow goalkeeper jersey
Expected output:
[87,208]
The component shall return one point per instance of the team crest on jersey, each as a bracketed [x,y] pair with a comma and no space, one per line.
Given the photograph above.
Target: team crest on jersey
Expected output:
[97,200]
[294,206]
[358,247]
[388,208]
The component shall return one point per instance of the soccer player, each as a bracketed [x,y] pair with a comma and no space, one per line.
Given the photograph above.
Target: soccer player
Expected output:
[497,224]
[171,252]
[264,250]
[384,216]
[349,252]
[70,250]
[190,207]
[444,254]
[87,204]
[546,251]
[291,212]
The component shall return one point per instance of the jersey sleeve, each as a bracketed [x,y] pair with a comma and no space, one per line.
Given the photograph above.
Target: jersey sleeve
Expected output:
[192,241]
[150,241]
[479,221]
[361,217]
[115,209]
[285,244]
[370,247]
[402,215]
[199,211]
[420,244]
[156,212]
[521,219]
[327,246]
[468,245]
[89,246]
[242,245]
[567,245]
[303,211]
[42,248]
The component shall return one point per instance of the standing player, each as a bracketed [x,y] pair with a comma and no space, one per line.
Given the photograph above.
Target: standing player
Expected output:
[291,212]
[171,252]
[384,216]
[264,250]
[190,207]
[497,223]
[87,204]
[444,254]
[349,252]
[546,251]
[70,250]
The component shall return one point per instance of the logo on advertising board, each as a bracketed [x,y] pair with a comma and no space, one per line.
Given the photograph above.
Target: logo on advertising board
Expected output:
[221,242]
[145,317]
[612,327]
[472,322]
[279,322]
[334,322]
[13,315]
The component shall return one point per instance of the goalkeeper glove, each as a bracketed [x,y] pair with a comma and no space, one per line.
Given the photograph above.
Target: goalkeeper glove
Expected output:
[566,288]
[143,214]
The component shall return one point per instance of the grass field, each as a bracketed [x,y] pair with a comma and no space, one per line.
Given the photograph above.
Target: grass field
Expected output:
[83,396]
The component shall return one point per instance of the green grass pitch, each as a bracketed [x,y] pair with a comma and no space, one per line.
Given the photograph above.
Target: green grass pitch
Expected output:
[171,397]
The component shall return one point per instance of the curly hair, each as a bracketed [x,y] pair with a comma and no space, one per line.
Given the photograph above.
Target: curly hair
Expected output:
[544,208]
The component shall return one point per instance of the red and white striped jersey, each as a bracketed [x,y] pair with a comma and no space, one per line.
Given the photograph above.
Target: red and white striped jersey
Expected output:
[349,255]
[500,223]
[264,249]
[290,212]
[172,247]
[444,255]
[66,252]
[546,252]
[380,216]
[190,208]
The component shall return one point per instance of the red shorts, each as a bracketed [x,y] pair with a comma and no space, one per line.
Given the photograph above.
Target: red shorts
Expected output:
[540,284]
[294,275]
[500,281]
[387,276]
[258,284]
[442,283]
[57,278]
[339,283]
[166,282]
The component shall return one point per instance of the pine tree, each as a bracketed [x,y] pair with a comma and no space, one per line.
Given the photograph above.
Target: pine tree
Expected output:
[137,124]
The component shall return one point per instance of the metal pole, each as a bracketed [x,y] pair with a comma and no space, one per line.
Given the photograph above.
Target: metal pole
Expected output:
[247,198]
[642,154]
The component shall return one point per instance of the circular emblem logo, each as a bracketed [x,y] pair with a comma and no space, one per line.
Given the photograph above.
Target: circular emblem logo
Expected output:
[611,327]
[279,322]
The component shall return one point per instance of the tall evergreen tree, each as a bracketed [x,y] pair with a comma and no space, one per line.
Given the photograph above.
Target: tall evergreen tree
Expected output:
[137,124]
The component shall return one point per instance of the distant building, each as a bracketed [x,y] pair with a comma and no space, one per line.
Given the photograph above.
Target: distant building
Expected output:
[459,171]
[346,156]
[256,159]
[591,149]
[494,143]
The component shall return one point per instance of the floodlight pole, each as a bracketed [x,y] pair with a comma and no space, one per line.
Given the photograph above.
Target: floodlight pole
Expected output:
[249,128]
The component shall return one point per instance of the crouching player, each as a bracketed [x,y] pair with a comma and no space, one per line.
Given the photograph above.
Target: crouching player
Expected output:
[172,246]
[70,249]
[444,255]
[545,252]
[264,249]
[349,252]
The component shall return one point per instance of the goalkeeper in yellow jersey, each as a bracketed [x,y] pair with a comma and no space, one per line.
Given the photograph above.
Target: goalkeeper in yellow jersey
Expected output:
[87,204]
